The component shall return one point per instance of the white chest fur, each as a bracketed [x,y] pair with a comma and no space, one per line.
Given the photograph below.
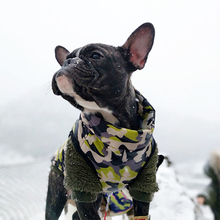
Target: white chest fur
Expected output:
[66,87]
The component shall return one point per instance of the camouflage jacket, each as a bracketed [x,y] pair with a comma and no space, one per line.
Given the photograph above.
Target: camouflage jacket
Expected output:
[116,155]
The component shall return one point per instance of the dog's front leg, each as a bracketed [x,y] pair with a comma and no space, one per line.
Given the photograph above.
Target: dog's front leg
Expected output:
[56,196]
[141,209]
[88,210]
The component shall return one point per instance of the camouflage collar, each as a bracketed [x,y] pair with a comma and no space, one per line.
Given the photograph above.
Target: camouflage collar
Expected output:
[145,111]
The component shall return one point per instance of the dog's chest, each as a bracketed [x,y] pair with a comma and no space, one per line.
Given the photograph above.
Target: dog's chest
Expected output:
[117,154]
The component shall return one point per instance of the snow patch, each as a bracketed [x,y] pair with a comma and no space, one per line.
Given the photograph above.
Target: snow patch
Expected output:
[171,201]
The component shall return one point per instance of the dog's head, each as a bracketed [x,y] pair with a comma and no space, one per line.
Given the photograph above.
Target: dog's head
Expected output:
[98,76]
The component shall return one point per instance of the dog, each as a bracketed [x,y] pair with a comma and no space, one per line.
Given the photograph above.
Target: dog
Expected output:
[111,146]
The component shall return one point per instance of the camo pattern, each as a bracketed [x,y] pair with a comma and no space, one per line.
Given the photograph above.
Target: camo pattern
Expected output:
[58,160]
[117,153]
[118,202]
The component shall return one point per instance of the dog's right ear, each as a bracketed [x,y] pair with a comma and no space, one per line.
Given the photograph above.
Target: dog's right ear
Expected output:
[61,54]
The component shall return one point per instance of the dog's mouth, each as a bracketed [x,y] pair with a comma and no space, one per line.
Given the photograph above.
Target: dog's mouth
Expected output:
[65,85]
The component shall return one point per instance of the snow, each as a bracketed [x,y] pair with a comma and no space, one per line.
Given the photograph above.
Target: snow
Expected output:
[171,201]
[23,191]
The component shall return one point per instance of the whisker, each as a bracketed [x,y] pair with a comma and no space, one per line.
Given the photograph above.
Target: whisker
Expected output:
[47,88]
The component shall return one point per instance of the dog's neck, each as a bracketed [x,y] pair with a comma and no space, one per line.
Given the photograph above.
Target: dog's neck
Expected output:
[118,110]
[122,112]
[126,110]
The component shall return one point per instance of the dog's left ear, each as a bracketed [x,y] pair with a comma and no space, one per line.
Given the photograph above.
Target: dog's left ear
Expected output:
[61,54]
[139,44]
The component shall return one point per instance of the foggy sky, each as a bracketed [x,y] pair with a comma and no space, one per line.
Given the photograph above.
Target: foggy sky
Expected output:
[180,79]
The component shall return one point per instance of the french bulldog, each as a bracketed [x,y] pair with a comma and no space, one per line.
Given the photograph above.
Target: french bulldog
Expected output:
[111,146]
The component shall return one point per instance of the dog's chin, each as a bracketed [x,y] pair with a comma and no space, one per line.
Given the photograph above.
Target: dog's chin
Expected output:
[64,85]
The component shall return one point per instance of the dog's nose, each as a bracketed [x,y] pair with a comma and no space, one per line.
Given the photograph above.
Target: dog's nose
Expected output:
[68,66]
[71,61]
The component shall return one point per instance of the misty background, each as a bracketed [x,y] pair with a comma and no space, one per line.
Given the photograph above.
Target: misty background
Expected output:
[181,78]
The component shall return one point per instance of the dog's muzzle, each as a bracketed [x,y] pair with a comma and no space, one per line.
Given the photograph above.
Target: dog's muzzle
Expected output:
[68,66]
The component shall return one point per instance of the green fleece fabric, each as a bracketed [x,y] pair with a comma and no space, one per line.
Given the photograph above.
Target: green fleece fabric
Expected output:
[81,179]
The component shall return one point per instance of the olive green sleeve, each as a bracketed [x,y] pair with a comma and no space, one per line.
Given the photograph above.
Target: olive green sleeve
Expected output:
[79,177]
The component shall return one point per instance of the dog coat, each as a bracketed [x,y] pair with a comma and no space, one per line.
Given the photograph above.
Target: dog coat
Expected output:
[115,154]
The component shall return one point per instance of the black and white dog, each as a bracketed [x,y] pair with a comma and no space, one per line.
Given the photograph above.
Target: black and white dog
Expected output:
[111,146]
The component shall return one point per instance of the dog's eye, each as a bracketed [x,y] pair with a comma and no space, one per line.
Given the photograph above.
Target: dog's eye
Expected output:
[96,55]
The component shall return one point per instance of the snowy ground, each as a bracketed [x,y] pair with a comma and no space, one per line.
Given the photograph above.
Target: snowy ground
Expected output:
[23,186]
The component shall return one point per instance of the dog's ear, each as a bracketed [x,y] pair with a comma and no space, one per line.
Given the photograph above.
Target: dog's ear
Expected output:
[139,44]
[60,54]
